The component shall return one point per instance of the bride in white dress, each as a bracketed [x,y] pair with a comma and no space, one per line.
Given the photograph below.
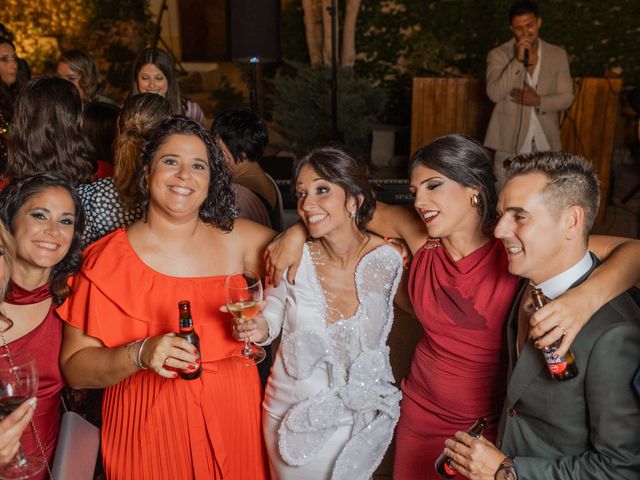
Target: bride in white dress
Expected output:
[330,405]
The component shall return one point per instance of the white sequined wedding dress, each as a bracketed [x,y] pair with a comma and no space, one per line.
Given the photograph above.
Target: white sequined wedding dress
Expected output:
[330,405]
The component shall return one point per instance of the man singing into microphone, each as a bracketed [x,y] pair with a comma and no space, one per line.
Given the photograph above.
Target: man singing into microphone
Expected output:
[529,81]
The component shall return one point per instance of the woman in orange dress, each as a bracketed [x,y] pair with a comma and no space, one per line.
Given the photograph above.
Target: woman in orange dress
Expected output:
[123,315]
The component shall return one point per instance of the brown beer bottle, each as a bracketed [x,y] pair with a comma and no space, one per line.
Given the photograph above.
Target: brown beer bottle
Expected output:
[561,368]
[189,334]
[443,463]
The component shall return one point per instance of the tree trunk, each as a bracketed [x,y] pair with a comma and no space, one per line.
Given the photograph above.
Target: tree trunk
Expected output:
[326,25]
[348,56]
[313,26]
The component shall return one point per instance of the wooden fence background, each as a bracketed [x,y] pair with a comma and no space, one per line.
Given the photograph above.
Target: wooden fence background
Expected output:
[459,105]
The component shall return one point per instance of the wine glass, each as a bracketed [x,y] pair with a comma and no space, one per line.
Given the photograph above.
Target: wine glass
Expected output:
[244,295]
[18,383]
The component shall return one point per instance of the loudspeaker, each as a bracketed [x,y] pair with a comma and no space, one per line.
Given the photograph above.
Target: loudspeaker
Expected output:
[253,30]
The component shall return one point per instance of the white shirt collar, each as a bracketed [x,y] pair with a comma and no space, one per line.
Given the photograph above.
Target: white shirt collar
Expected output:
[556,286]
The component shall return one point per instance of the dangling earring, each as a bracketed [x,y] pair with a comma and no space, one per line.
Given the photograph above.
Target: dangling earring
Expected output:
[353,214]
[475,201]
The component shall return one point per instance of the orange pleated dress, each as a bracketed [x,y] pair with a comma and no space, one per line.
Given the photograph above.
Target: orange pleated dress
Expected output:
[158,428]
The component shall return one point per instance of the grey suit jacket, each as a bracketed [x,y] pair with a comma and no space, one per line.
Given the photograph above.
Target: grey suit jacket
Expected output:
[555,88]
[586,428]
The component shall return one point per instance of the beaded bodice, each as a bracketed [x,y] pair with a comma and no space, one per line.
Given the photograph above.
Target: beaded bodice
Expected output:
[327,375]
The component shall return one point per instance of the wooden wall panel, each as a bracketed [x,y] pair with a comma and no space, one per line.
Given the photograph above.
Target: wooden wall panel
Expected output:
[447,105]
[441,106]
[589,127]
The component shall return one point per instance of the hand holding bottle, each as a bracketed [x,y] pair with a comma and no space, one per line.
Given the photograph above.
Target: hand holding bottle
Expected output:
[167,353]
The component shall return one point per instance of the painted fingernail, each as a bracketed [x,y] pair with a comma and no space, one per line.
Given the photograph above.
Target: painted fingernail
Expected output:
[195,352]
[555,355]
[175,375]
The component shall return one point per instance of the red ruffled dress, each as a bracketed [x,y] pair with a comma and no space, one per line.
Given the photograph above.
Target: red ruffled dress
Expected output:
[154,427]
[459,370]
[43,344]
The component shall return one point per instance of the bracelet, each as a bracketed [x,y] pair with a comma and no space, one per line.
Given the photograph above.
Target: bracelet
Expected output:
[139,363]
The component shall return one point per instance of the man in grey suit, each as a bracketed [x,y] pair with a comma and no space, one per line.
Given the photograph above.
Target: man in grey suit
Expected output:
[529,81]
[588,427]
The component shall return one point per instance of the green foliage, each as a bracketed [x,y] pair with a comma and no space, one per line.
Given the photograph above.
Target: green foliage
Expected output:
[226,97]
[294,42]
[398,38]
[302,107]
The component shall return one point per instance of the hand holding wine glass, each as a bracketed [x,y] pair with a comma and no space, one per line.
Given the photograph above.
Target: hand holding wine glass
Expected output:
[18,383]
[243,292]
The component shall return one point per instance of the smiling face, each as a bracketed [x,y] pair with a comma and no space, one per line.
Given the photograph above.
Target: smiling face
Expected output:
[323,206]
[534,238]
[151,80]
[66,72]
[43,228]
[8,64]
[178,179]
[443,204]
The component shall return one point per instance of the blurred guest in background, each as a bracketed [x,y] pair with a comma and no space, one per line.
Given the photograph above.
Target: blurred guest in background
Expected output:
[243,136]
[78,67]
[154,72]
[46,134]
[99,126]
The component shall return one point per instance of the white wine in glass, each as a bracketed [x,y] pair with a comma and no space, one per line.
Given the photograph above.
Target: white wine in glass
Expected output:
[18,383]
[243,292]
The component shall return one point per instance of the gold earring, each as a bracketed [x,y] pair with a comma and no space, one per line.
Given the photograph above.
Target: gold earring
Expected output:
[475,201]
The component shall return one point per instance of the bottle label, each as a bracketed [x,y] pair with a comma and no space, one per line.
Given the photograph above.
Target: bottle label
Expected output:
[556,365]
[449,469]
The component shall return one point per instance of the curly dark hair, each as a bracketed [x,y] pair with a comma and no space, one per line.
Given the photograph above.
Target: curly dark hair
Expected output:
[219,208]
[46,135]
[341,166]
[17,193]
[465,161]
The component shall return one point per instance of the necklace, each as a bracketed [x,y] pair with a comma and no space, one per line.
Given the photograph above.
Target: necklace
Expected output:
[336,283]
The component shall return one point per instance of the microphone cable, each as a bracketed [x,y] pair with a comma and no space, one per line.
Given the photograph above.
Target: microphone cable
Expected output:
[521,114]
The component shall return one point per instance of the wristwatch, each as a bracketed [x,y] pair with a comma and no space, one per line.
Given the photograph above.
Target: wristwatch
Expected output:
[506,470]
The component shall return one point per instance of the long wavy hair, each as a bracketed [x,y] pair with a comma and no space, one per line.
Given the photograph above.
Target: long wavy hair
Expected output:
[83,64]
[17,193]
[9,255]
[8,92]
[140,114]
[219,208]
[163,62]
[46,135]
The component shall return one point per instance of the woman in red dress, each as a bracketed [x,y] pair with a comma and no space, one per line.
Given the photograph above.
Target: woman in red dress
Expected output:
[45,217]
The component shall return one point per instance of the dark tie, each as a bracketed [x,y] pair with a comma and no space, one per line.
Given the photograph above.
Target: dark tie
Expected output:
[524,316]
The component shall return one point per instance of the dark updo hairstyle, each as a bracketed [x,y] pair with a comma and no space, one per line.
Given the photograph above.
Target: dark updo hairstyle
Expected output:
[46,135]
[17,193]
[339,165]
[219,208]
[465,161]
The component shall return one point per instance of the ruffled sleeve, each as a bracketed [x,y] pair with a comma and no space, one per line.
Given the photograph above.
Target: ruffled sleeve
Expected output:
[118,299]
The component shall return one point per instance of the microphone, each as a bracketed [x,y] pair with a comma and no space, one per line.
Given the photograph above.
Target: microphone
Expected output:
[526,57]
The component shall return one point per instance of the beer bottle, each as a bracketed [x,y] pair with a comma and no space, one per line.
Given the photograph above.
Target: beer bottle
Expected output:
[561,368]
[189,334]
[443,463]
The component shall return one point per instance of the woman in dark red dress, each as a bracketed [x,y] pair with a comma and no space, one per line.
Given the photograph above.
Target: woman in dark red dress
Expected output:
[461,291]
[45,217]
